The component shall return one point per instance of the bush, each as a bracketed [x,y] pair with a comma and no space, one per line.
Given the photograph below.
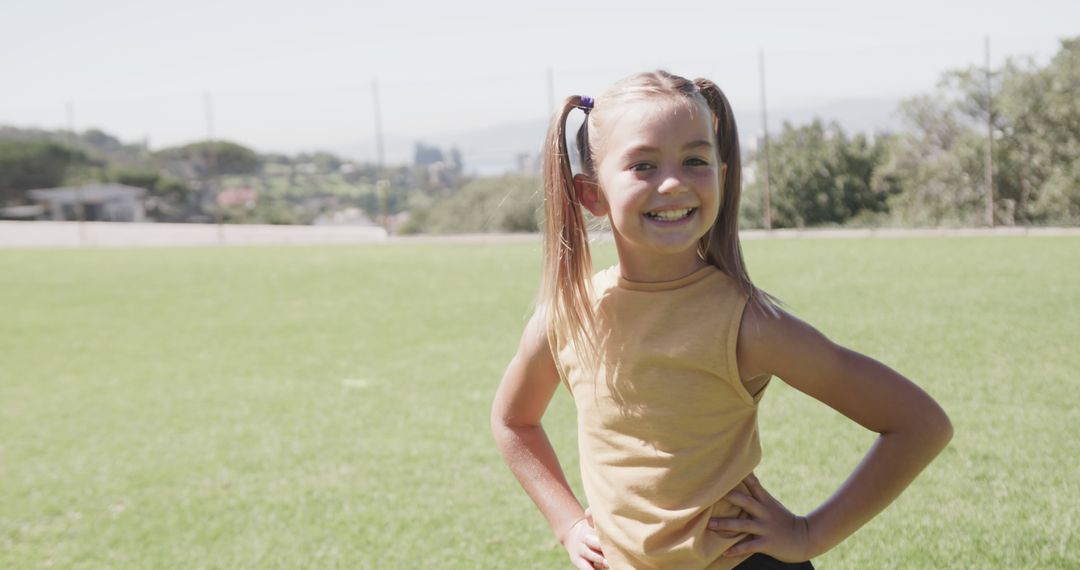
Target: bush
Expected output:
[509,204]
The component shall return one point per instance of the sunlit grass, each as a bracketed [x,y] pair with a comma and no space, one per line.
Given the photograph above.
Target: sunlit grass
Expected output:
[327,407]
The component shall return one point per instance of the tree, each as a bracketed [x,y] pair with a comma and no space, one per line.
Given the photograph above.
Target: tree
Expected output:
[933,169]
[30,165]
[228,157]
[325,162]
[820,176]
[506,204]
[937,166]
[101,140]
[138,178]
[1044,136]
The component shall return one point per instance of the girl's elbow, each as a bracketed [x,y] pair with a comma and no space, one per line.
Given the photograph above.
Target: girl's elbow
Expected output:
[500,432]
[498,422]
[926,426]
[946,430]
[503,427]
[939,428]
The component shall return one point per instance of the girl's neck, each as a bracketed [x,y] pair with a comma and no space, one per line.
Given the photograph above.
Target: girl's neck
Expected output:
[657,269]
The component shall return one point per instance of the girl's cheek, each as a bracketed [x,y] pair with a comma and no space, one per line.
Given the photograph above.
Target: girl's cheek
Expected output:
[704,174]
[633,184]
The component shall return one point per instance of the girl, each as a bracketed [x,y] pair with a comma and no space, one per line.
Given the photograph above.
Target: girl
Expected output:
[668,353]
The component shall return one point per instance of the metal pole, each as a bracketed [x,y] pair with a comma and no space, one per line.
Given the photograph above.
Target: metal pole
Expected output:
[765,144]
[211,164]
[381,184]
[80,207]
[989,142]
[551,91]
[378,124]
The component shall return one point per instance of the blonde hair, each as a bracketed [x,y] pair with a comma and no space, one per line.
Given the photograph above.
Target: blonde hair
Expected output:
[566,288]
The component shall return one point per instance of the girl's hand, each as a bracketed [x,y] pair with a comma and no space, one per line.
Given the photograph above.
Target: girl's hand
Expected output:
[583,545]
[772,529]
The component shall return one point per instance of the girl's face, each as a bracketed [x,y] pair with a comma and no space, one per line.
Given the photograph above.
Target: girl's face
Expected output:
[659,181]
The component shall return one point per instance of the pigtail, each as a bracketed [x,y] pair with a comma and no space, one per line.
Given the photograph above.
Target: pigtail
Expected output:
[566,288]
[721,246]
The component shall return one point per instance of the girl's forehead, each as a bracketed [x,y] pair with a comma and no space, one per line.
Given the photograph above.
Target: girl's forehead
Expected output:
[654,120]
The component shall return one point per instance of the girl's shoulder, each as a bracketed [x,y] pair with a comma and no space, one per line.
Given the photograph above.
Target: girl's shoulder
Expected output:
[605,279]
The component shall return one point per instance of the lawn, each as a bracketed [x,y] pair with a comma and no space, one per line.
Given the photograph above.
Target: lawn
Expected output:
[327,407]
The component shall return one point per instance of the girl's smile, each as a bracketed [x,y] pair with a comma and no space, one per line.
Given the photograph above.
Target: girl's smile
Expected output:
[671,217]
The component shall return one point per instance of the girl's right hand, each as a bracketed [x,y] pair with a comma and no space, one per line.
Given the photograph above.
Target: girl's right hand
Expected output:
[583,545]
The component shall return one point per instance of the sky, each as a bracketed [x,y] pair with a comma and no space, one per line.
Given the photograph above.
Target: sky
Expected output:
[291,76]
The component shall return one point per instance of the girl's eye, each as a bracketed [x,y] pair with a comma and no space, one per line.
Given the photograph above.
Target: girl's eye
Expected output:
[641,167]
[696,162]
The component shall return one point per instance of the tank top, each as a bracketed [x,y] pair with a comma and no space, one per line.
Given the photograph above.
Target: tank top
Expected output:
[666,428]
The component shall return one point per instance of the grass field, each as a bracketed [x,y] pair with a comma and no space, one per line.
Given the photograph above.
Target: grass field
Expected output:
[327,407]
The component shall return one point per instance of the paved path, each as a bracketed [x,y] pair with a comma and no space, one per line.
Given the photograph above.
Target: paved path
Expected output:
[111,234]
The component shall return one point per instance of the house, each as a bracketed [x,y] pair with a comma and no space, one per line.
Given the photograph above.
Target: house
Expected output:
[99,202]
[243,197]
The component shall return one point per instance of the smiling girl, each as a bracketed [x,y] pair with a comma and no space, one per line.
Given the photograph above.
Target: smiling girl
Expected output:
[668,354]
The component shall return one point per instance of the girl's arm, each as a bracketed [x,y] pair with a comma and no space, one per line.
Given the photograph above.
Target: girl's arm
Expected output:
[526,389]
[912,426]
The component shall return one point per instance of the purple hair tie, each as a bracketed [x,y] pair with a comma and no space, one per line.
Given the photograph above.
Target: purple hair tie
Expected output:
[586,103]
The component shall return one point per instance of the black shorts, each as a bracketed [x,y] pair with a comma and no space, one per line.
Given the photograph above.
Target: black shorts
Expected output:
[759,561]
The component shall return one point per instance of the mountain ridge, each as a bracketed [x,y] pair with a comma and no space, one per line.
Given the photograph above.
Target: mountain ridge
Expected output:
[495,149]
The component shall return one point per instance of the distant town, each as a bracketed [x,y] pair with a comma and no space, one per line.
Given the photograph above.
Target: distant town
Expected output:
[987,147]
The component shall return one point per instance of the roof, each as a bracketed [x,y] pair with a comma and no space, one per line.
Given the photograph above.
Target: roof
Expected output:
[87,193]
[31,211]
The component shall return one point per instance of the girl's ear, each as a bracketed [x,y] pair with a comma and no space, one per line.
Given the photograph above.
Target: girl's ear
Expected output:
[588,192]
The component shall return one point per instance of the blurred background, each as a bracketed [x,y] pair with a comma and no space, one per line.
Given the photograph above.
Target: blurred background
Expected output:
[327,407]
[425,117]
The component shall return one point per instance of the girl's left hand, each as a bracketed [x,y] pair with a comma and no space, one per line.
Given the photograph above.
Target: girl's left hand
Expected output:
[772,529]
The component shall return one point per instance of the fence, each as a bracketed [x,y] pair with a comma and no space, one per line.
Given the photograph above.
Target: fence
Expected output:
[116,234]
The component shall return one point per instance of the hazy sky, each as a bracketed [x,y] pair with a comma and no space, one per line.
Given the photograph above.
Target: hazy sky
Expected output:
[296,75]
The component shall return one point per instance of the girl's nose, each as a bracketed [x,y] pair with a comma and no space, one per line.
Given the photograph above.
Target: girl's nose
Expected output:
[671,185]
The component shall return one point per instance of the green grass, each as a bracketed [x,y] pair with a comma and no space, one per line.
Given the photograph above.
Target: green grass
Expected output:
[327,407]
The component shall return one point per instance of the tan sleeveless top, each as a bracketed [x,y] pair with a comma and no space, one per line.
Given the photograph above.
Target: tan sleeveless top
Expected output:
[665,427]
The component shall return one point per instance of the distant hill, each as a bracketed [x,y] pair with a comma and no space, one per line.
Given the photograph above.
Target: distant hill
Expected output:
[493,150]
[97,144]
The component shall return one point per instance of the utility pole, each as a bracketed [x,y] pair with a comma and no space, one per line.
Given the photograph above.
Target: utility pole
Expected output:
[80,206]
[989,141]
[209,185]
[382,186]
[378,124]
[551,91]
[765,144]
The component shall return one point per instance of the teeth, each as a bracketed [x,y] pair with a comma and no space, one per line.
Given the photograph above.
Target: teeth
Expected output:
[670,215]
